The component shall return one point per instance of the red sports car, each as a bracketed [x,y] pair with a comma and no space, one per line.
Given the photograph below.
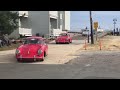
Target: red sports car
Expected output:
[63,38]
[32,49]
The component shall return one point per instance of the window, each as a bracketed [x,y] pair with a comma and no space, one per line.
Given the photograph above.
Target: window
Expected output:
[64,34]
[60,16]
[33,41]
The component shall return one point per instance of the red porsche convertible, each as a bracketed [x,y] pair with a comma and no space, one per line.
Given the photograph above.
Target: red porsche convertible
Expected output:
[63,38]
[32,49]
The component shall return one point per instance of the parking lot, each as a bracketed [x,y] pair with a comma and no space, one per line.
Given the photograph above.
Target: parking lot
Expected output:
[58,53]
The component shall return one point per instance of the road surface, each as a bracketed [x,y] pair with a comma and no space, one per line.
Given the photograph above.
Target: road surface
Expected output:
[88,65]
[57,53]
[84,65]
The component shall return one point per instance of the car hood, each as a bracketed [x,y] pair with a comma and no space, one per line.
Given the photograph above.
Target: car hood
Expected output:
[62,37]
[29,47]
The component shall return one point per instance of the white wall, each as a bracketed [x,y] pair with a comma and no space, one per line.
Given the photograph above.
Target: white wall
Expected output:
[53,13]
[67,20]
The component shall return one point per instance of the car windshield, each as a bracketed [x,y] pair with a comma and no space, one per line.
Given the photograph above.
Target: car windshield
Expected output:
[32,41]
[63,34]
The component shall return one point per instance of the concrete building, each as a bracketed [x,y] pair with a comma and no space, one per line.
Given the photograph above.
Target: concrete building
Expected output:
[47,23]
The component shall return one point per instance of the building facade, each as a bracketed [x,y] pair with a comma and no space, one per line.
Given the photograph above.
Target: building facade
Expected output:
[47,23]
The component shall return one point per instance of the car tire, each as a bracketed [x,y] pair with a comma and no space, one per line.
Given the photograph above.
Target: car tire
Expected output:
[43,57]
[18,60]
[68,42]
[56,42]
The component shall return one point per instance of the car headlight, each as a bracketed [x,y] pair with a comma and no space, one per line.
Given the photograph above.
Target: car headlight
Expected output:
[39,52]
[17,51]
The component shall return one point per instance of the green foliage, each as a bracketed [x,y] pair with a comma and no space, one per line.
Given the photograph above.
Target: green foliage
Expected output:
[8,21]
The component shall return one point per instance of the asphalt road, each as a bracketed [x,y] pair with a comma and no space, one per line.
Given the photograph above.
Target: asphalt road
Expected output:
[89,65]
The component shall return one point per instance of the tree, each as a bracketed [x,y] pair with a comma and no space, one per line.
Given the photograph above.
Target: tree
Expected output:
[8,21]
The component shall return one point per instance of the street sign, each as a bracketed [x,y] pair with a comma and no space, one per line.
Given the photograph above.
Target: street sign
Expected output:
[95,25]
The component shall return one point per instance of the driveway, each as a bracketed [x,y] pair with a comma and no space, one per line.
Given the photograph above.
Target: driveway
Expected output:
[58,53]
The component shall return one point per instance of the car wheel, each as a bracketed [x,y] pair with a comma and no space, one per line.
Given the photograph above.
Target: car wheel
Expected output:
[18,60]
[68,42]
[43,57]
[45,54]
[56,42]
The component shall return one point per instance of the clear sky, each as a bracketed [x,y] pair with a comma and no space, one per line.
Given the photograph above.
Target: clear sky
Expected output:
[80,19]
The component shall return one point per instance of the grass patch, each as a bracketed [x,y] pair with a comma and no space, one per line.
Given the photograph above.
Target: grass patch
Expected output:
[90,46]
[109,43]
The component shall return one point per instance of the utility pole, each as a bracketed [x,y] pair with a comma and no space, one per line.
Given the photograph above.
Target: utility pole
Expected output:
[88,34]
[91,25]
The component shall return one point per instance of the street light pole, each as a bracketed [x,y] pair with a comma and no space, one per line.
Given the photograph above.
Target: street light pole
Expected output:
[91,25]
[114,28]
[114,25]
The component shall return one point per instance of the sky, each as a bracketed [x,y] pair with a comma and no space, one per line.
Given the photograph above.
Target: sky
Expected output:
[80,19]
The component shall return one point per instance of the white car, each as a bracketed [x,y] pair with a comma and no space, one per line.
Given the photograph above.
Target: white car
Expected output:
[86,33]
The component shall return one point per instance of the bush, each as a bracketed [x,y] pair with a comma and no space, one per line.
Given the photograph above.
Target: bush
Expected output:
[109,33]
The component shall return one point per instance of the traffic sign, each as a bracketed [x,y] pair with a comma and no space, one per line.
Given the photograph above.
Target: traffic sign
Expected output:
[95,25]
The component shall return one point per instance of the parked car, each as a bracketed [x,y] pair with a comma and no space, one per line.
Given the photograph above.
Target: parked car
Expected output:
[85,32]
[63,38]
[33,49]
